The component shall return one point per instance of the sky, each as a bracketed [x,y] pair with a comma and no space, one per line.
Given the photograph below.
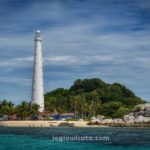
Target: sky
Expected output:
[106,39]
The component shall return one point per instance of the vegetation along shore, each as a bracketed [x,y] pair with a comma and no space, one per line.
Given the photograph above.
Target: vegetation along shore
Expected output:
[87,102]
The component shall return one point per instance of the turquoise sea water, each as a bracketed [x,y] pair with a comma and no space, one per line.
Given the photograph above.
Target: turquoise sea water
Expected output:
[43,138]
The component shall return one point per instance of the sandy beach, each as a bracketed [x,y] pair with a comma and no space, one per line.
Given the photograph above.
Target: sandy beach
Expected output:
[42,123]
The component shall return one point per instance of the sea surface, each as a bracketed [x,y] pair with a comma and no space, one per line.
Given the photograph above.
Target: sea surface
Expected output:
[63,138]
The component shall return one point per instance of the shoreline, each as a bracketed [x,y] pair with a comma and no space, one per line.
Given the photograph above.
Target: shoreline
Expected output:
[37,123]
[28,123]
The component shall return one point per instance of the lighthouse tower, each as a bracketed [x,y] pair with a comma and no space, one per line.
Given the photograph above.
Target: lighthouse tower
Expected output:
[37,81]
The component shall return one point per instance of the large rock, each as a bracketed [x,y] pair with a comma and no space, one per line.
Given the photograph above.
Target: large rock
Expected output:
[141,119]
[140,114]
[143,110]
[108,121]
[147,113]
[118,120]
[129,118]
[147,106]
[95,121]
[142,107]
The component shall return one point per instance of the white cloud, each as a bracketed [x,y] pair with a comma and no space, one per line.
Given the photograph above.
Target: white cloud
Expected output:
[24,59]
[77,60]
[16,62]
[61,59]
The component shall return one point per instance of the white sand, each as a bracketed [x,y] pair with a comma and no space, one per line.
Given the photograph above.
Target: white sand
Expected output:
[42,123]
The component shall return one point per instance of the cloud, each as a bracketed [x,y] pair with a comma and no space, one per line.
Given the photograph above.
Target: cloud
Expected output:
[24,59]
[16,62]
[76,60]
[61,59]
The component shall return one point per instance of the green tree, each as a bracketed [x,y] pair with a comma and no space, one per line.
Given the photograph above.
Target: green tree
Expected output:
[110,109]
[34,108]
[23,110]
[91,97]
[6,107]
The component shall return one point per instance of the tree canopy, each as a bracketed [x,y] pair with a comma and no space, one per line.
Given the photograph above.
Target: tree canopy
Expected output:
[91,97]
[23,110]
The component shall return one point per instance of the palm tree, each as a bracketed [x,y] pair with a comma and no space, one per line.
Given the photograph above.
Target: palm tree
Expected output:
[6,107]
[94,103]
[34,109]
[23,110]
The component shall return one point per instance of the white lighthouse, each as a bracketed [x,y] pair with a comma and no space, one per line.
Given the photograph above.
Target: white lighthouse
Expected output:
[37,81]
